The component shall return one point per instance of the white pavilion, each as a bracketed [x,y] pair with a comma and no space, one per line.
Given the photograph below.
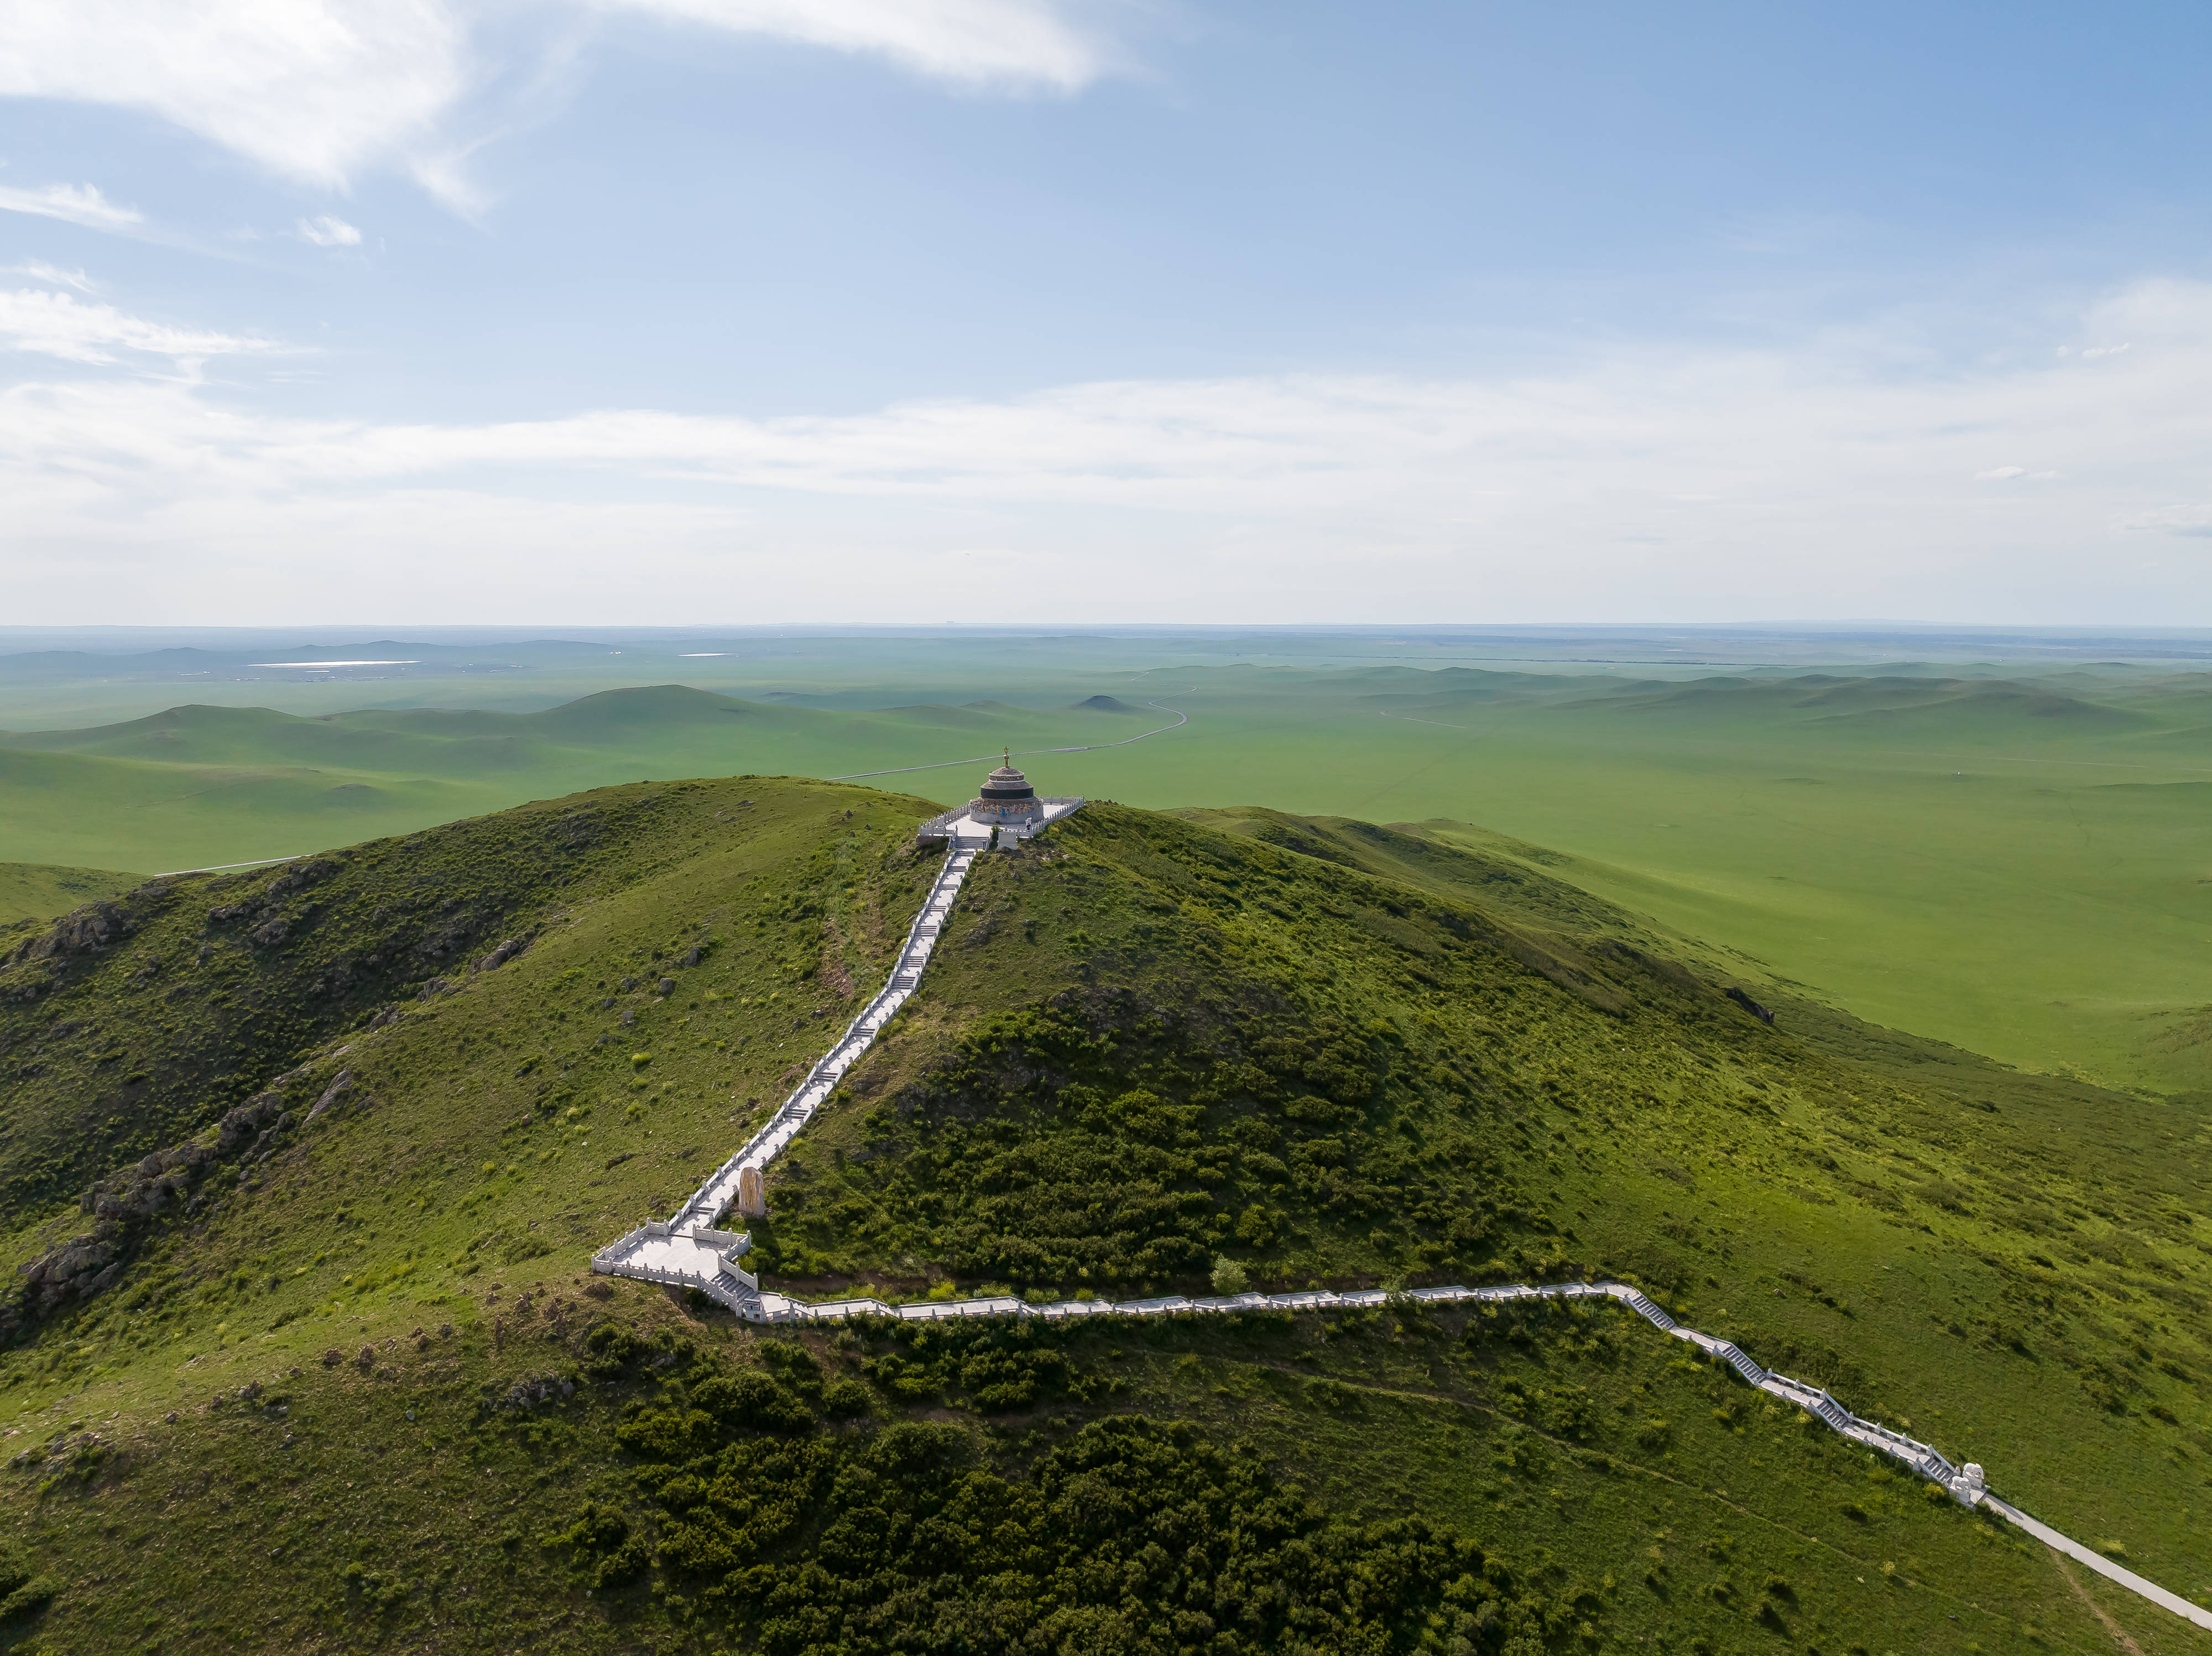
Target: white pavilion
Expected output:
[1007,809]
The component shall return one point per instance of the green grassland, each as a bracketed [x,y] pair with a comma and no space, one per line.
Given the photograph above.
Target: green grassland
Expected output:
[2026,874]
[206,785]
[37,891]
[342,1135]
[2016,863]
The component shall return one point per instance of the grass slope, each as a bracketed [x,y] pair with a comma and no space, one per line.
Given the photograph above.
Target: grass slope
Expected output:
[38,891]
[332,1377]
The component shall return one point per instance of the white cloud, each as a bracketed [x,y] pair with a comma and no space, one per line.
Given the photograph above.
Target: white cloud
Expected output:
[328,231]
[312,90]
[39,270]
[2192,520]
[1999,474]
[1013,42]
[1655,483]
[76,203]
[319,90]
[55,325]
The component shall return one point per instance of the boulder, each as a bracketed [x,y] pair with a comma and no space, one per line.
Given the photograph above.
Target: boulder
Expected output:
[502,953]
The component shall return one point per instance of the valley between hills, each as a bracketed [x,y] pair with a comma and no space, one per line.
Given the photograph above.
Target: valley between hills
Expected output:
[306,1163]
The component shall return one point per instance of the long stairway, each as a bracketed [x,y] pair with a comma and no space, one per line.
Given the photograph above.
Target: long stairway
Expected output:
[686,1250]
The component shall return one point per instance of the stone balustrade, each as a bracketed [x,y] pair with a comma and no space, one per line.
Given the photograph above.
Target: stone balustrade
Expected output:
[686,1251]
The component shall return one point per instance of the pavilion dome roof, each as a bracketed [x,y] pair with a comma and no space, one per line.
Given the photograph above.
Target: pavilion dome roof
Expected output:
[1006,783]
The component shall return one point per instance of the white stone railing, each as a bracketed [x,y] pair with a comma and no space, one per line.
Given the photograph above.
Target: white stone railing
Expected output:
[685,1251]
[712,1199]
[1965,1483]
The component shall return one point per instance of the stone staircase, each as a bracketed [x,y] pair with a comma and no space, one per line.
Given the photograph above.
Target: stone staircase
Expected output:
[686,1251]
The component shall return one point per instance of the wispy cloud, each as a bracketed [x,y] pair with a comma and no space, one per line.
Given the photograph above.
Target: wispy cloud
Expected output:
[328,231]
[2191,520]
[56,325]
[76,203]
[1018,43]
[320,90]
[1620,484]
[39,270]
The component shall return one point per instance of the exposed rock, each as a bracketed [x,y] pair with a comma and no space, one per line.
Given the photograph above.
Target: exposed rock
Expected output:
[298,876]
[122,1204]
[330,1093]
[269,933]
[667,986]
[84,931]
[530,1390]
[1749,1004]
[241,1125]
[434,988]
[501,954]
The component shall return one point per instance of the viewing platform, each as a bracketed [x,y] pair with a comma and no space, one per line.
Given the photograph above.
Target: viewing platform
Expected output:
[1007,809]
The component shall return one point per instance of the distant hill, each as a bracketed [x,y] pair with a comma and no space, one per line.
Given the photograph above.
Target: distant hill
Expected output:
[38,891]
[302,1168]
[1105,704]
[199,784]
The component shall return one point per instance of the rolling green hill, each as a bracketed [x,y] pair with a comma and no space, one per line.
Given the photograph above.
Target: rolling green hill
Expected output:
[2009,861]
[305,1165]
[38,891]
[208,785]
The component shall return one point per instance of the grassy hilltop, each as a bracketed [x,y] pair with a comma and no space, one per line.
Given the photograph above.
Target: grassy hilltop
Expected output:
[2010,859]
[305,1165]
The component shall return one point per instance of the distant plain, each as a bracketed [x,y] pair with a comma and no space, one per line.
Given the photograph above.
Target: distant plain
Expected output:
[2008,854]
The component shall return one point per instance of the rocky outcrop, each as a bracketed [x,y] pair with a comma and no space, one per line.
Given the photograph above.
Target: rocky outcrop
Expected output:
[123,1205]
[1749,1005]
[504,953]
[331,1093]
[82,932]
[298,876]
[535,1389]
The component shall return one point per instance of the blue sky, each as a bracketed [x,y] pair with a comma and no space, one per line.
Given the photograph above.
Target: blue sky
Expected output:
[743,311]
